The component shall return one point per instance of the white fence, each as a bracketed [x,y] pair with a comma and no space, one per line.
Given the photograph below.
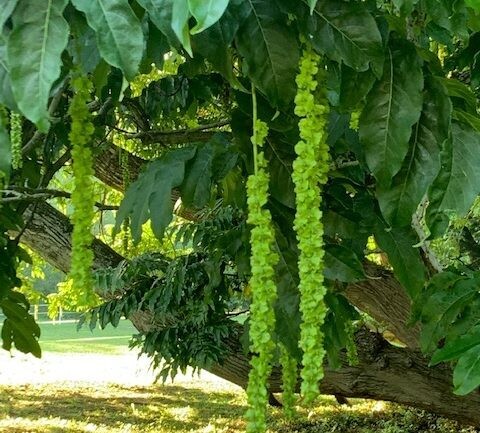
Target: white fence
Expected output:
[40,313]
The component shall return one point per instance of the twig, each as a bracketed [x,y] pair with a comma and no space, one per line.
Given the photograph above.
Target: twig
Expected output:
[176,136]
[57,165]
[19,194]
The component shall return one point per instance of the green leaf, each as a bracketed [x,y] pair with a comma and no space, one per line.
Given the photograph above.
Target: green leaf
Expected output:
[180,17]
[7,8]
[393,106]
[35,45]
[6,94]
[347,33]
[454,349]
[466,375]
[398,244]
[422,164]
[474,4]
[312,4]
[149,197]
[118,31]
[342,264]
[448,297]
[461,92]
[5,149]
[212,162]
[22,329]
[206,12]
[288,318]
[197,185]
[354,87]
[470,119]
[451,15]
[263,41]
[215,43]
[160,12]
[458,183]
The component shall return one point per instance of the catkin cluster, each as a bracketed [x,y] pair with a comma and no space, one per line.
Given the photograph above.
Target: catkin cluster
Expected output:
[263,260]
[16,139]
[310,170]
[83,200]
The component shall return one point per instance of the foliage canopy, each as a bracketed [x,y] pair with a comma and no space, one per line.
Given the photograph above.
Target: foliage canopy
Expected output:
[401,80]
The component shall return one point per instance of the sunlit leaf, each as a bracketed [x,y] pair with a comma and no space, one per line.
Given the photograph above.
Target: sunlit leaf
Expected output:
[35,45]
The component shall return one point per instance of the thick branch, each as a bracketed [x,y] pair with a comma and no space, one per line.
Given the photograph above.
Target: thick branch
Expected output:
[49,234]
[384,372]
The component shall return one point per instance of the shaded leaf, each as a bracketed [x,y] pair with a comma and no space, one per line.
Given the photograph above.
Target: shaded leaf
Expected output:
[398,244]
[399,202]
[466,375]
[5,150]
[348,33]
[288,318]
[393,106]
[449,295]
[7,8]
[458,183]
[197,185]
[6,94]
[456,348]
[215,42]
[22,329]
[180,17]
[342,264]
[160,12]
[34,48]
[460,92]
[263,40]
[118,30]
[149,197]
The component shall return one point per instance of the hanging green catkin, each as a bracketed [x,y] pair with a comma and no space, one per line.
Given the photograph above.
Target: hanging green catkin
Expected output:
[83,199]
[264,292]
[310,170]
[126,183]
[3,129]
[289,381]
[355,119]
[16,139]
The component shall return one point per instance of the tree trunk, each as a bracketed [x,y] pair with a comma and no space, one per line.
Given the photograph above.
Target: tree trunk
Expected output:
[384,372]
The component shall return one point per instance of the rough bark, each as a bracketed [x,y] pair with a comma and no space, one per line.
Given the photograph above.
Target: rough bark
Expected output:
[49,234]
[384,372]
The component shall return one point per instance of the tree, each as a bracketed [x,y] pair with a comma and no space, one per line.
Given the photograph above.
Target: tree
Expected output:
[400,83]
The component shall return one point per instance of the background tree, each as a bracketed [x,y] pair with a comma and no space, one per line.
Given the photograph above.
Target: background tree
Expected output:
[401,79]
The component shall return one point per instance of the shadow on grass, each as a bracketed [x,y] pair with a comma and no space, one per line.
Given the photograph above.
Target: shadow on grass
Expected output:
[368,416]
[202,408]
[155,408]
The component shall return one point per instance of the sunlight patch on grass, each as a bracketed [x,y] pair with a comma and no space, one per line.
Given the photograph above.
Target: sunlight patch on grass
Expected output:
[191,407]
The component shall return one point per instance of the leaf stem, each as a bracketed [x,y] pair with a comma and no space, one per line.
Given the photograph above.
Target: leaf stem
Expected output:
[254,137]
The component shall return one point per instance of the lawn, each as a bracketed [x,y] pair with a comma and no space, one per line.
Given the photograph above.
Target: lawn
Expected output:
[65,402]
[63,337]
[190,408]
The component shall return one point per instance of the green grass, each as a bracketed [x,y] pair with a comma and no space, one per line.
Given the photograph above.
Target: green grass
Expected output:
[194,407]
[63,337]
